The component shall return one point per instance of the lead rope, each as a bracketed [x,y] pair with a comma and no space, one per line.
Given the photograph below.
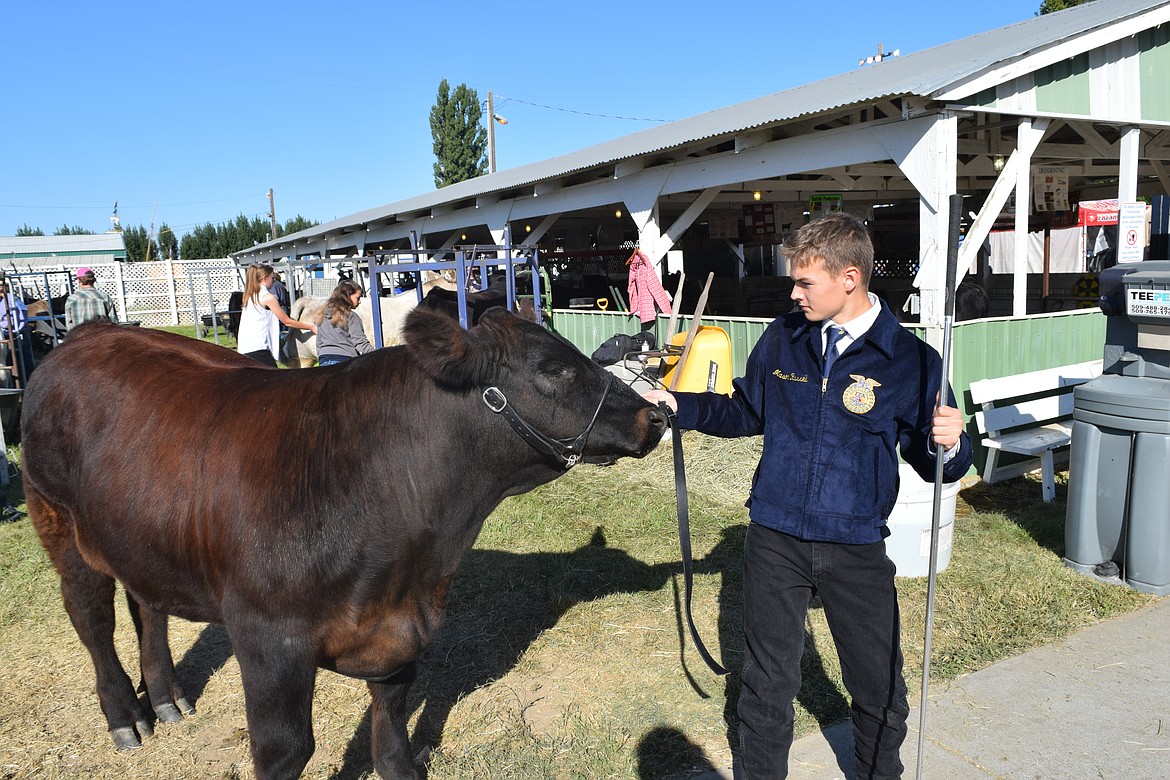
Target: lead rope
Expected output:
[684,537]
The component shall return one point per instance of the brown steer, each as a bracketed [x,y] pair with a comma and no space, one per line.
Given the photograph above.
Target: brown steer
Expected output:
[308,511]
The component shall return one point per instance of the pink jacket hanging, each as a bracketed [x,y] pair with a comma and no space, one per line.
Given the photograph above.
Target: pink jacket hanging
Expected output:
[645,289]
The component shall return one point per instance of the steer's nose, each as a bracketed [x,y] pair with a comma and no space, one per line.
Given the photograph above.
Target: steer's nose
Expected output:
[658,421]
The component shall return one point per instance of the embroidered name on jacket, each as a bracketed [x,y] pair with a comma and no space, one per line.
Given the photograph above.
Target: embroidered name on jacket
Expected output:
[790,377]
[859,397]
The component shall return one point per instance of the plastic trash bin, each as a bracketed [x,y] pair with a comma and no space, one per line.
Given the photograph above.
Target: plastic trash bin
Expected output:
[1119,481]
[908,544]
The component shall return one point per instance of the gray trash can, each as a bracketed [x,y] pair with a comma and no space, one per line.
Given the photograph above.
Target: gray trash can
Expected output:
[1119,480]
[1118,518]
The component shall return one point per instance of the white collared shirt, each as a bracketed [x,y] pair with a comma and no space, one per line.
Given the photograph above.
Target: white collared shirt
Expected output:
[855,328]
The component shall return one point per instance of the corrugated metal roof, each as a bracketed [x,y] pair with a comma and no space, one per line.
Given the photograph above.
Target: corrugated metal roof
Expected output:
[924,74]
[99,243]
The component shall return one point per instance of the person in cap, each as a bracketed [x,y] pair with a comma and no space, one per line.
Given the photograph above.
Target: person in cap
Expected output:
[88,302]
[838,389]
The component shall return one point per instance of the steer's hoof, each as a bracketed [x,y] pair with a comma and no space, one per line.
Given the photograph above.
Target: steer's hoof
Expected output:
[185,706]
[125,738]
[168,713]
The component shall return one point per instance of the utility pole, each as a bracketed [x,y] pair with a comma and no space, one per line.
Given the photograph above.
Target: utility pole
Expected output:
[272,212]
[150,235]
[491,135]
[493,117]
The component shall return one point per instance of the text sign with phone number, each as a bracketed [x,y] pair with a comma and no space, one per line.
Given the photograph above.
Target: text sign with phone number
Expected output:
[1148,303]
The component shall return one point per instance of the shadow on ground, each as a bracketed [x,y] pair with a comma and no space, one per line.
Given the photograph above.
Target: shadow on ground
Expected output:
[476,647]
[1020,501]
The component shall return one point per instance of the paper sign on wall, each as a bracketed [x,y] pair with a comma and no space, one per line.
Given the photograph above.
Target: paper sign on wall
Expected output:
[1050,183]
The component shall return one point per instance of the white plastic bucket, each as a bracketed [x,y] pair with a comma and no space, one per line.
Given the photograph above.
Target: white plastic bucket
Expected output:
[908,544]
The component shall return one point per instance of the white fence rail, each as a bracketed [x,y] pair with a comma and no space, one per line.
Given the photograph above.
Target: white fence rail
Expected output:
[155,293]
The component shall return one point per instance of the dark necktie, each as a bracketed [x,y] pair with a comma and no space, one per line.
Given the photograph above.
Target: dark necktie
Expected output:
[835,335]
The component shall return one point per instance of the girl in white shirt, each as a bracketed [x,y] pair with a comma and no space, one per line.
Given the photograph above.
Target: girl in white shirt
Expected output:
[259,335]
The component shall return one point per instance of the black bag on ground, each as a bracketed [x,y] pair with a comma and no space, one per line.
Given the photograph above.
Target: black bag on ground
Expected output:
[617,346]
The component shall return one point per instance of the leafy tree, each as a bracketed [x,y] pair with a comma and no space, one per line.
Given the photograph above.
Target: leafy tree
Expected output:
[296,224]
[76,230]
[1052,6]
[460,142]
[137,240]
[209,240]
[168,245]
[25,230]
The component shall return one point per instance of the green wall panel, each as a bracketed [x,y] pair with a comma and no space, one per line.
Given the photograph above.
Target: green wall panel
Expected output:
[1063,88]
[1154,66]
[981,349]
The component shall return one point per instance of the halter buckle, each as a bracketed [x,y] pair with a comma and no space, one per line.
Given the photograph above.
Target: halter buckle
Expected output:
[498,402]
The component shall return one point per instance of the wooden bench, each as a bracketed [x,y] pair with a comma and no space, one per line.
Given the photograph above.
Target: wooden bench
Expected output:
[1028,414]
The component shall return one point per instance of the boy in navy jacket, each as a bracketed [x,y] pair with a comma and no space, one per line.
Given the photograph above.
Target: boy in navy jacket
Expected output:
[837,389]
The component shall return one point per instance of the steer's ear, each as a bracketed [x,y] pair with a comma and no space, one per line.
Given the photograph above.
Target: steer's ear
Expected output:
[450,354]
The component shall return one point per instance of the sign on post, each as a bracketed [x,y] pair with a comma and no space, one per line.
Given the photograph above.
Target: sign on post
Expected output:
[1131,233]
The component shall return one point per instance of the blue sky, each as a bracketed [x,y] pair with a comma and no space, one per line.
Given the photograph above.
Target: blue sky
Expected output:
[187,113]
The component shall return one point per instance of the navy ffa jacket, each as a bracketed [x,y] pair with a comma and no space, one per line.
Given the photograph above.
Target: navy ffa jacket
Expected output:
[829,469]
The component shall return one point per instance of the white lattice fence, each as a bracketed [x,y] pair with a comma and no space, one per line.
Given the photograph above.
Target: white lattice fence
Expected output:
[205,282]
[165,293]
[155,293]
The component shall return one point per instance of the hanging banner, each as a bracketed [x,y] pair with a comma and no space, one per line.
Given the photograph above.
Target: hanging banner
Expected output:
[1091,213]
[1050,183]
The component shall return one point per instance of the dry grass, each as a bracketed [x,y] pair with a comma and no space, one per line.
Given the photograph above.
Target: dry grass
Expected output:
[562,656]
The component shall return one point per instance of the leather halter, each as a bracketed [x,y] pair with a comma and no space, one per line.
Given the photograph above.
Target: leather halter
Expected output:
[569,451]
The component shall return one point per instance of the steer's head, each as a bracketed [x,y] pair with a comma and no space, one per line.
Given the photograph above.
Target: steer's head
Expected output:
[538,382]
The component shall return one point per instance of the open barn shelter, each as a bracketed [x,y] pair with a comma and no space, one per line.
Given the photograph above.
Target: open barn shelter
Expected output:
[1026,121]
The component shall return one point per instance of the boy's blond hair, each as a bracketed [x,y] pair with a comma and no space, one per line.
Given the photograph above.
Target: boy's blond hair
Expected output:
[838,241]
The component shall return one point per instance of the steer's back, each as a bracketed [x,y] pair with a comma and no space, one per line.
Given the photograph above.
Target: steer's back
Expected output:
[155,453]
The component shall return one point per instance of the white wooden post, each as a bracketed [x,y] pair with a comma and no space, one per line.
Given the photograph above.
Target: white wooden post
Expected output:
[1128,168]
[1027,140]
[120,282]
[931,164]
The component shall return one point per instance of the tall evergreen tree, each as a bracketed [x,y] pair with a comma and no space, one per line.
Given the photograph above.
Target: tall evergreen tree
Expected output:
[137,239]
[76,230]
[168,245]
[208,240]
[460,141]
[297,224]
[1052,6]
[25,230]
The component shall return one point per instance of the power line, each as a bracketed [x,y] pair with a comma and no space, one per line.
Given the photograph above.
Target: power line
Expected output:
[162,205]
[584,113]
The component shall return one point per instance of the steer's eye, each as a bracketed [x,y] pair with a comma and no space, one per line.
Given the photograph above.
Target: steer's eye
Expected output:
[556,372]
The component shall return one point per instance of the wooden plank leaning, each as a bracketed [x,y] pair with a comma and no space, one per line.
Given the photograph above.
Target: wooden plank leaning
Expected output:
[695,322]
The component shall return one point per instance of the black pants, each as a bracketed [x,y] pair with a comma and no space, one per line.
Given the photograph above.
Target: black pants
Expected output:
[262,356]
[856,587]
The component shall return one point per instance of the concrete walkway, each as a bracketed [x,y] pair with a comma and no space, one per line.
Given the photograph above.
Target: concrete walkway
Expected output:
[1095,706]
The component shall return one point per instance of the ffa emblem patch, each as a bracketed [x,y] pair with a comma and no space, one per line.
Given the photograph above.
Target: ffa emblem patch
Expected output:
[858,397]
